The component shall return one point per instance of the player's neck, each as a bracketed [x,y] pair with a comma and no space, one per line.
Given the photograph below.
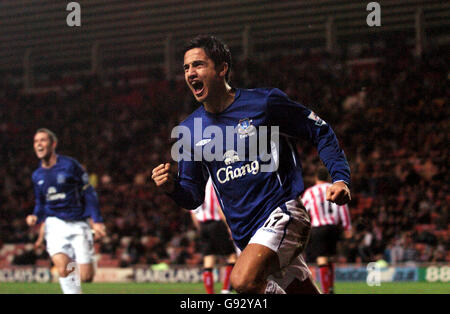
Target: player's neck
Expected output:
[222,100]
[320,182]
[49,162]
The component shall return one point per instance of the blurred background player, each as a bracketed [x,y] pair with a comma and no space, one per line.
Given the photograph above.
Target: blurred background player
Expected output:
[215,239]
[327,219]
[65,200]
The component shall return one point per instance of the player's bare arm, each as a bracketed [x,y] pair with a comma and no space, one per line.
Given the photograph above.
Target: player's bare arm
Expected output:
[195,221]
[40,240]
[163,178]
[339,193]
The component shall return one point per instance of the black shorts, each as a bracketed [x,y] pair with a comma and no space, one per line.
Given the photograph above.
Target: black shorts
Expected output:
[215,239]
[322,242]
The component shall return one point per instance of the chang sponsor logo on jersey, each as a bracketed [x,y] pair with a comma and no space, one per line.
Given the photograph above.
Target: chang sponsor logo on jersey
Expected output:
[226,174]
[53,196]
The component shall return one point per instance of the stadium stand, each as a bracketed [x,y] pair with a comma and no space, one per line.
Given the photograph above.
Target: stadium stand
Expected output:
[394,132]
[387,102]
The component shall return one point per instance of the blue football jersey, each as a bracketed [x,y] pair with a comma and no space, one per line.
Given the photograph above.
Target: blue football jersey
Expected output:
[250,186]
[63,191]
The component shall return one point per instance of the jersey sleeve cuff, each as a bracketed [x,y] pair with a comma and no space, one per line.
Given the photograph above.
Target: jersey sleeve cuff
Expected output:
[348,184]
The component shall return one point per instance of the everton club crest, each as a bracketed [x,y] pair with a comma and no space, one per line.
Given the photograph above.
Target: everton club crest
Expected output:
[61,178]
[245,128]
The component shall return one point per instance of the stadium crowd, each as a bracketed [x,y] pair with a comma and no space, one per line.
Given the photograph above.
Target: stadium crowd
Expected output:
[389,109]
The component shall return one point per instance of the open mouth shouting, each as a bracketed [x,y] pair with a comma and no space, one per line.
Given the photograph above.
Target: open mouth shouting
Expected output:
[40,151]
[198,88]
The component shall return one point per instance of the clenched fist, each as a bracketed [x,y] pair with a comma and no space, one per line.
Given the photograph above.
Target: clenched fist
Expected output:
[31,220]
[163,178]
[339,193]
[99,229]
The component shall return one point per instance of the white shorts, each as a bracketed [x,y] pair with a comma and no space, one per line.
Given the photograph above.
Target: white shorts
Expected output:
[73,238]
[286,232]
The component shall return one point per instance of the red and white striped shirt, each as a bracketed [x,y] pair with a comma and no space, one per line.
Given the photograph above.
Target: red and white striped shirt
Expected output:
[323,212]
[210,208]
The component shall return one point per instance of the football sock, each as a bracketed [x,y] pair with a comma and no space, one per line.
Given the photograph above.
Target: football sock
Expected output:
[70,284]
[331,284]
[325,278]
[208,280]
[273,288]
[226,280]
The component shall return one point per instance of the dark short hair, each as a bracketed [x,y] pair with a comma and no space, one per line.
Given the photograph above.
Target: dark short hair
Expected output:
[214,48]
[322,174]
[50,134]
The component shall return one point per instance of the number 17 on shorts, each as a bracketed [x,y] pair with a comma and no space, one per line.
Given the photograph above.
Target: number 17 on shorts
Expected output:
[285,232]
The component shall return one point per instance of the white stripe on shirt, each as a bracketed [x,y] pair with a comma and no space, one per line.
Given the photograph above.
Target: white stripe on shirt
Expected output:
[210,208]
[323,212]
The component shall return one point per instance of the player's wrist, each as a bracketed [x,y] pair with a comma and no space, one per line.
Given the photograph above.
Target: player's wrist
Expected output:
[341,182]
[169,186]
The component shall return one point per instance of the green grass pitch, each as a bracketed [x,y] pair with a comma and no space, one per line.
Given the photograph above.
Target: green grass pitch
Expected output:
[197,288]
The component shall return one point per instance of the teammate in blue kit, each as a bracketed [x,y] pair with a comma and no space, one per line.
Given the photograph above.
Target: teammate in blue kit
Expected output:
[65,200]
[260,196]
